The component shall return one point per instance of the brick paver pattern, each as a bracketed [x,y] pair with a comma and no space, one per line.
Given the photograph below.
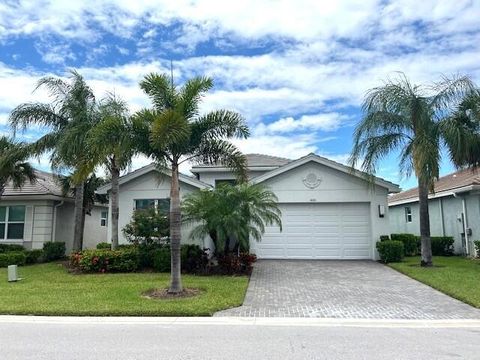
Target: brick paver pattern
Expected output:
[343,289]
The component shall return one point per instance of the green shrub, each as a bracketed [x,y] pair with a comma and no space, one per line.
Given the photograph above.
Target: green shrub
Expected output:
[104,245]
[410,243]
[148,226]
[94,261]
[146,255]
[442,245]
[477,247]
[161,259]
[384,237]
[4,248]
[232,264]
[12,258]
[390,251]
[34,256]
[53,251]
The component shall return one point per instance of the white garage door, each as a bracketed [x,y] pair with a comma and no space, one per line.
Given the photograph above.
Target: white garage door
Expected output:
[319,231]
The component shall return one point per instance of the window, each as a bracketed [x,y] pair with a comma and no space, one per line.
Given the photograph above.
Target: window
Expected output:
[12,222]
[408,214]
[163,205]
[225,182]
[103,218]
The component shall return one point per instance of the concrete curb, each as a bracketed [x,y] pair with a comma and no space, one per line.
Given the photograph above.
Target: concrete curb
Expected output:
[240,321]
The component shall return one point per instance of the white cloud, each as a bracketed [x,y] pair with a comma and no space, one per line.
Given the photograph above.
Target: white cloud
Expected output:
[54,53]
[325,122]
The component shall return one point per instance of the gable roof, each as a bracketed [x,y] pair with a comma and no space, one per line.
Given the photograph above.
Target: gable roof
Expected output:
[326,162]
[145,170]
[464,180]
[253,161]
[46,184]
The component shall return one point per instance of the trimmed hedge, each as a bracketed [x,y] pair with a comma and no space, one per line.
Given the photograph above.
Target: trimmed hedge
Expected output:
[4,248]
[54,251]
[390,251]
[442,245]
[477,247]
[104,245]
[410,243]
[384,237]
[194,259]
[12,258]
[34,256]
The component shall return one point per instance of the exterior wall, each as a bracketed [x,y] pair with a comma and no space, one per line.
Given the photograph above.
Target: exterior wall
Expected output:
[210,177]
[149,186]
[335,187]
[451,208]
[94,233]
[65,224]
[38,223]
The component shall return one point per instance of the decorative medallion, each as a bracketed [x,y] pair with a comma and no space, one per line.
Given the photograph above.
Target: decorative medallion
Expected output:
[312,181]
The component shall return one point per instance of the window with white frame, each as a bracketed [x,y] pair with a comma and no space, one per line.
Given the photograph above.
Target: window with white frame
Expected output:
[12,222]
[408,214]
[104,218]
[163,205]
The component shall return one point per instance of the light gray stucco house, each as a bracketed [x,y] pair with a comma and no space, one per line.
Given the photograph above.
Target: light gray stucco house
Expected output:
[39,212]
[328,211]
[454,210]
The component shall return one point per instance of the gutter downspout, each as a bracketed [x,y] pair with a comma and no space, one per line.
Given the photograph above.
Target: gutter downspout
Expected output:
[465,223]
[54,230]
[442,217]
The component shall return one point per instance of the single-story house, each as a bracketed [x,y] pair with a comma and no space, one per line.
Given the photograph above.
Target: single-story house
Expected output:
[454,210]
[39,212]
[328,211]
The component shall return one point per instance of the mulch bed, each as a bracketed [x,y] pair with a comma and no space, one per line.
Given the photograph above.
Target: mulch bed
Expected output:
[163,293]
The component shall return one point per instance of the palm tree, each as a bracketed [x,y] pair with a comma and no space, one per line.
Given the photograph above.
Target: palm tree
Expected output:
[13,165]
[231,213]
[69,118]
[411,119]
[111,144]
[173,132]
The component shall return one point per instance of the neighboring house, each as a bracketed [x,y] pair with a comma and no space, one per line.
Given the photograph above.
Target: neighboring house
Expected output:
[454,210]
[328,211]
[39,213]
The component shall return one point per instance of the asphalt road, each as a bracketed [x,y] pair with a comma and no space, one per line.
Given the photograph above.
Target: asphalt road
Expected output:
[23,338]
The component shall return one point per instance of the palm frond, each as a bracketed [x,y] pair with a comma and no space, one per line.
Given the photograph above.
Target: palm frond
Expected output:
[191,94]
[160,90]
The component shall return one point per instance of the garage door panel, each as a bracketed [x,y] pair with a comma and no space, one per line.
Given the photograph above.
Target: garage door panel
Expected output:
[319,231]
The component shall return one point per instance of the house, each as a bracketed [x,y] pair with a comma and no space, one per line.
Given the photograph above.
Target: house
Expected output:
[328,210]
[454,210]
[39,213]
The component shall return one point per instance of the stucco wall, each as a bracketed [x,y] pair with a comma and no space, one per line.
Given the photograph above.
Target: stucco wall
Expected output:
[149,186]
[452,213]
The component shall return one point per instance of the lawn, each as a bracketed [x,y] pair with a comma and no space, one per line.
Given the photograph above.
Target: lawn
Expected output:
[47,289]
[455,276]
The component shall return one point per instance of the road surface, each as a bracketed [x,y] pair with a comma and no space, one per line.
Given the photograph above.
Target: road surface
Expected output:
[234,338]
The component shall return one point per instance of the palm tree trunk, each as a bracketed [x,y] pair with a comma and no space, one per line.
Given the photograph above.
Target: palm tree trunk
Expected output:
[175,233]
[78,215]
[115,172]
[426,244]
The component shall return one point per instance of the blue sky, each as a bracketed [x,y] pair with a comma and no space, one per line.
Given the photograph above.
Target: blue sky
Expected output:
[297,70]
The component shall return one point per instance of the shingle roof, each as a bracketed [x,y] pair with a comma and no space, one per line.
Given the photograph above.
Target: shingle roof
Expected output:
[452,181]
[256,160]
[46,184]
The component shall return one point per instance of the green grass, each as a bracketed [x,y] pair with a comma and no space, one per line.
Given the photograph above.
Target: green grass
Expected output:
[454,276]
[48,289]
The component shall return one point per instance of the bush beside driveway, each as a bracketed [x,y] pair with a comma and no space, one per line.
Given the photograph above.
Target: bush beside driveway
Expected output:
[455,276]
[48,289]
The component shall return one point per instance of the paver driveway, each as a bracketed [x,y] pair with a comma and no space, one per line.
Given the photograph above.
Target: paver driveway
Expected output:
[343,289]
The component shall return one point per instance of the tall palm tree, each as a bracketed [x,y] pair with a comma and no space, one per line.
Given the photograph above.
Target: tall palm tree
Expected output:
[13,165]
[111,144]
[173,132]
[231,214]
[411,119]
[69,117]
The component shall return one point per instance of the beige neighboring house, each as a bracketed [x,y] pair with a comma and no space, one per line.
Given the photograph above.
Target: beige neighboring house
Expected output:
[38,213]
[328,211]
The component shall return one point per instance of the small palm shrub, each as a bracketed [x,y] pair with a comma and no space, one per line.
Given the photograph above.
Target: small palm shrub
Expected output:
[390,251]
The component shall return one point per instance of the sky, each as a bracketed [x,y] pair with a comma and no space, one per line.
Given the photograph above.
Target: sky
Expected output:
[296,70]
